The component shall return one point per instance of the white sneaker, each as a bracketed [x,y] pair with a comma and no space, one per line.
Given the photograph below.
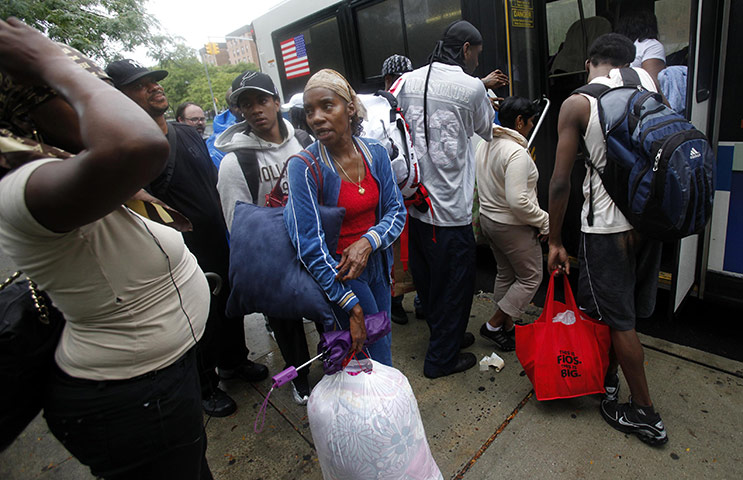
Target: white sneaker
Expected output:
[299,399]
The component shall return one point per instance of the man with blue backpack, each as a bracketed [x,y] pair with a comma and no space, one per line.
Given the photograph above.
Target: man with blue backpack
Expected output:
[649,178]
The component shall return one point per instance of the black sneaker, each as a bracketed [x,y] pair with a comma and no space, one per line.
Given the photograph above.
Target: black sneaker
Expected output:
[399,315]
[628,418]
[467,341]
[248,371]
[611,387]
[501,339]
[219,404]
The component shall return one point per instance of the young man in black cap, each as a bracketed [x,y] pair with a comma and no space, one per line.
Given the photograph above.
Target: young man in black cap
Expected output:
[188,183]
[256,150]
[445,105]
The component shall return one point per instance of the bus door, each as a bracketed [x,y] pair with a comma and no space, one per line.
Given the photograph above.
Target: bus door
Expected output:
[702,89]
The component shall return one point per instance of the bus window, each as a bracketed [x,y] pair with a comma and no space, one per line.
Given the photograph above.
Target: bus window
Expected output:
[322,35]
[425,22]
[561,14]
[673,24]
[322,42]
[380,35]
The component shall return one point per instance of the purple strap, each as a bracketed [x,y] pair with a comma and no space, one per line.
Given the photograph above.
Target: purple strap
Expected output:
[263,409]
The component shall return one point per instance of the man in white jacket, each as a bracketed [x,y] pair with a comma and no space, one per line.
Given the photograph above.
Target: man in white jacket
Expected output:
[445,106]
[256,151]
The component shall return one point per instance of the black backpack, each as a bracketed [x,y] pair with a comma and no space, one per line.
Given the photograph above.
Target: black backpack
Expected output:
[660,169]
[248,160]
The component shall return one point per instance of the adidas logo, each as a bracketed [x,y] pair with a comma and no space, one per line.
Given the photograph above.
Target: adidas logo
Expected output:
[694,154]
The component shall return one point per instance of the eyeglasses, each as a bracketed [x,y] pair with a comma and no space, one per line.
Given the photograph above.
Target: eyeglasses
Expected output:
[196,119]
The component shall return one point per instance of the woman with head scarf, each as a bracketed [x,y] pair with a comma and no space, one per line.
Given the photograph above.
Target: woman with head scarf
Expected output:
[358,176]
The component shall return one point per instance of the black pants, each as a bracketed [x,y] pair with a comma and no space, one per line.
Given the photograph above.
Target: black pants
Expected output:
[149,427]
[290,337]
[223,342]
[444,275]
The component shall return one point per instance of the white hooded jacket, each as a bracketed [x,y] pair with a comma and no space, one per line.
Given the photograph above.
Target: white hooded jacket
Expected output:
[271,157]
[507,181]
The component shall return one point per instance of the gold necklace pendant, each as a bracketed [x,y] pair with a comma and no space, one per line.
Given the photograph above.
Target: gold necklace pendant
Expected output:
[361,190]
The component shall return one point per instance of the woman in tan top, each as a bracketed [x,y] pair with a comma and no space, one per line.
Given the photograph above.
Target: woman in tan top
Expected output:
[124,397]
[510,216]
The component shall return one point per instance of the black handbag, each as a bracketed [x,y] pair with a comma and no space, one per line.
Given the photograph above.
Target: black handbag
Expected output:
[29,332]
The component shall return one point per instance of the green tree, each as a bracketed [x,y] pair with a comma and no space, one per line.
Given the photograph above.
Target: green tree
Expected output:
[98,28]
[186,80]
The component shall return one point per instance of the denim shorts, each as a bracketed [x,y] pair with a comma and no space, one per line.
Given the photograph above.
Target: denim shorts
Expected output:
[618,277]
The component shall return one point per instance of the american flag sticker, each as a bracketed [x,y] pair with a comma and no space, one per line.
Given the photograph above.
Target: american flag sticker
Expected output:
[294,53]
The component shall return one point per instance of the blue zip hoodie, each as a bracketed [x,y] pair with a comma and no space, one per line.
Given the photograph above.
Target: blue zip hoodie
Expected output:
[220,124]
[302,220]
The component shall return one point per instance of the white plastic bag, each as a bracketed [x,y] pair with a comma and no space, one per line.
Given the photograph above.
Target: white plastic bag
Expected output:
[367,426]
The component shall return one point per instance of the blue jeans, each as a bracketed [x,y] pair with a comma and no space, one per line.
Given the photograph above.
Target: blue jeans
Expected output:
[373,288]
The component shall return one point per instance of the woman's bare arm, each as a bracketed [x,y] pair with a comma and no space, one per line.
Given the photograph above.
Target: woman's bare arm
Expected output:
[123,147]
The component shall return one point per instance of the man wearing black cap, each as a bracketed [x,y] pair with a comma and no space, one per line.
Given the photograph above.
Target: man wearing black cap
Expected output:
[188,183]
[445,106]
[255,152]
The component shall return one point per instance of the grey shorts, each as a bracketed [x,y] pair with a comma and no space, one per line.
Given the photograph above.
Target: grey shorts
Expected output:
[618,277]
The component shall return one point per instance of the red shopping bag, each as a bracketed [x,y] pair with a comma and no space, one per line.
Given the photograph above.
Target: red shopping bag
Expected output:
[563,360]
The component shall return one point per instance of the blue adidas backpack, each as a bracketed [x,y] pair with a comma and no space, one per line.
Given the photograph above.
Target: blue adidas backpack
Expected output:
[660,170]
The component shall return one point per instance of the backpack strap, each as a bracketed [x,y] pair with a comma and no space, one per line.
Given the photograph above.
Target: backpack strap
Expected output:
[589,165]
[593,89]
[276,196]
[392,100]
[630,78]
[248,161]
[302,137]
[159,186]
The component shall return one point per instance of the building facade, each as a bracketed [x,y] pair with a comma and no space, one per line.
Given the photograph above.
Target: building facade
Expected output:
[241,46]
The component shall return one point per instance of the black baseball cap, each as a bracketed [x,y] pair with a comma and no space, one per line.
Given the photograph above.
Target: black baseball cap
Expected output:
[124,72]
[252,80]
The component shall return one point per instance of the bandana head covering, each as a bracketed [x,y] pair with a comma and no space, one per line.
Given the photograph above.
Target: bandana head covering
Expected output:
[449,49]
[337,83]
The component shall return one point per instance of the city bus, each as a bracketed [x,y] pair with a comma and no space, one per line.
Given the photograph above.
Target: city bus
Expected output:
[523,38]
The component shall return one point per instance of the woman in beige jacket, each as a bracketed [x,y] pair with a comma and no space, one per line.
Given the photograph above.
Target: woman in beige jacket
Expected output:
[510,216]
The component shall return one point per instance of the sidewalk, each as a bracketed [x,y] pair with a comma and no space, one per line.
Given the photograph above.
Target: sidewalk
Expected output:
[480,425]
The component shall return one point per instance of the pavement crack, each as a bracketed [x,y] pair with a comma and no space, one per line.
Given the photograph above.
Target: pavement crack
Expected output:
[696,362]
[492,438]
[286,418]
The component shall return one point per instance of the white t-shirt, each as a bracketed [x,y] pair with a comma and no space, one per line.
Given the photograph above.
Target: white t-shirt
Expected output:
[647,49]
[607,218]
[112,283]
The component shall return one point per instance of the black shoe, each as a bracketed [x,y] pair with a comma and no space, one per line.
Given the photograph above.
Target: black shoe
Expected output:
[419,313]
[501,339]
[219,404]
[611,387]
[399,315]
[248,371]
[467,340]
[628,418]
[465,361]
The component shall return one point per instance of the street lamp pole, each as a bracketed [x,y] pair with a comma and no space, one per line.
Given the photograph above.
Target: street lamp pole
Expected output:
[209,81]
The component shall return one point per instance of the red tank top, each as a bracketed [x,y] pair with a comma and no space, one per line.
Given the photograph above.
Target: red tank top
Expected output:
[360,209]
